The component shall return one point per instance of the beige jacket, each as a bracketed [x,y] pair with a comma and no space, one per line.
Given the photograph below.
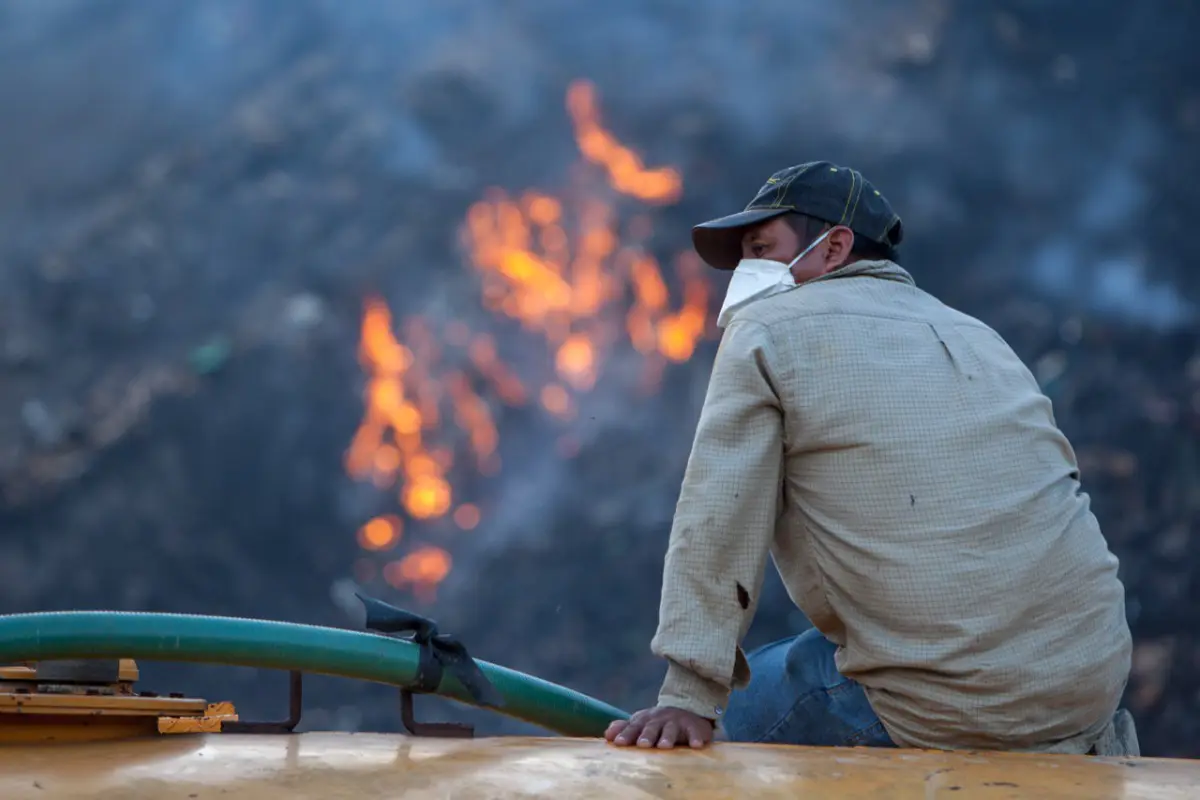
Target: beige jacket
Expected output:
[905,472]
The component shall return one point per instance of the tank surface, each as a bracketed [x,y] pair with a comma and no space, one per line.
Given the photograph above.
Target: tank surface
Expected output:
[332,766]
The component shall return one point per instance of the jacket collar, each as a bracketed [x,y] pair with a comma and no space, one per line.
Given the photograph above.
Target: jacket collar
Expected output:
[883,270]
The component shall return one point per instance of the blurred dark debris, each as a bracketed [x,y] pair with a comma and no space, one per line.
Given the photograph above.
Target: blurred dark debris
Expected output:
[60,440]
[183,265]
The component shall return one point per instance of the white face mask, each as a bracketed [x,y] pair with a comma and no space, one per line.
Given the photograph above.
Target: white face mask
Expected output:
[757,278]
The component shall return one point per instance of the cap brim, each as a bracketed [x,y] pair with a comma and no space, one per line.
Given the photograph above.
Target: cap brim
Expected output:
[719,242]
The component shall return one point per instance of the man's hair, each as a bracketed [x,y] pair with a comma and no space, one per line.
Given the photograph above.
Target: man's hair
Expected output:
[809,228]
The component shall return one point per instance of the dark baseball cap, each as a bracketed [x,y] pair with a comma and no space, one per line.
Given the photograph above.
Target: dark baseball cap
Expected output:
[819,189]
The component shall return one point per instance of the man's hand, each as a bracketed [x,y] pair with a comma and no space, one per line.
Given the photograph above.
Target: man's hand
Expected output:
[662,727]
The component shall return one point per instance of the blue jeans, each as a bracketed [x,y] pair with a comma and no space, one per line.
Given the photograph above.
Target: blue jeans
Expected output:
[797,696]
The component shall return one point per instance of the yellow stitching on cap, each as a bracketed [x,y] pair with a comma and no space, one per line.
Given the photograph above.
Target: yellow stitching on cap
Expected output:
[782,189]
[861,183]
[753,207]
[883,237]
[850,194]
[771,181]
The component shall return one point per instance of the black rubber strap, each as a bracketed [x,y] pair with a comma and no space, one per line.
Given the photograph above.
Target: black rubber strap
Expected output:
[429,669]
[439,653]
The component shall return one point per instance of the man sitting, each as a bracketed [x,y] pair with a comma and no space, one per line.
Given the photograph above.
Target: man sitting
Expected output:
[905,472]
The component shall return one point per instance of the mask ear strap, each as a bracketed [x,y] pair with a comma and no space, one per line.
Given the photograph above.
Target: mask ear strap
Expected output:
[809,249]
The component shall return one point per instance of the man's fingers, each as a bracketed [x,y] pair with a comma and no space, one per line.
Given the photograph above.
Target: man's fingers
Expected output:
[662,728]
[627,736]
[650,732]
[698,734]
[629,730]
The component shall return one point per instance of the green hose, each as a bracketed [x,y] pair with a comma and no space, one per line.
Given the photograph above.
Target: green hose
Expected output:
[286,646]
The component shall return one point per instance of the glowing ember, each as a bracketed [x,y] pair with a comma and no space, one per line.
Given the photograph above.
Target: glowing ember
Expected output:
[576,361]
[426,496]
[556,400]
[564,271]
[466,516]
[421,570]
[380,533]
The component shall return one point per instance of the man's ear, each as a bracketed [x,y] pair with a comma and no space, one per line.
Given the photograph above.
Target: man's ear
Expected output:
[841,242]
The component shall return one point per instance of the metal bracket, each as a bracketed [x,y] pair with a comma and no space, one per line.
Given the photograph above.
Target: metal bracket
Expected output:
[295,709]
[440,730]
[79,670]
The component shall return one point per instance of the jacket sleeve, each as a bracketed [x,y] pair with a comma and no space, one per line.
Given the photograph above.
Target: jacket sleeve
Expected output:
[723,527]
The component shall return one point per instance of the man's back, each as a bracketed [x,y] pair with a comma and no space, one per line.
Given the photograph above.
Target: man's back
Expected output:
[933,524]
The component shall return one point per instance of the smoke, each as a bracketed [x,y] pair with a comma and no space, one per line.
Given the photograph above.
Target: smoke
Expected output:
[989,129]
[1097,259]
[992,128]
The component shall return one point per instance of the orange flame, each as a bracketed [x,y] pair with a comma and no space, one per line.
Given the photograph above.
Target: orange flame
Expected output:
[625,170]
[421,570]
[380,533]
[389,444]
[565,272]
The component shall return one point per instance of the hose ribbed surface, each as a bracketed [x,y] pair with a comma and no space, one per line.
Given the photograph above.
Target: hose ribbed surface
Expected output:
[285,646]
